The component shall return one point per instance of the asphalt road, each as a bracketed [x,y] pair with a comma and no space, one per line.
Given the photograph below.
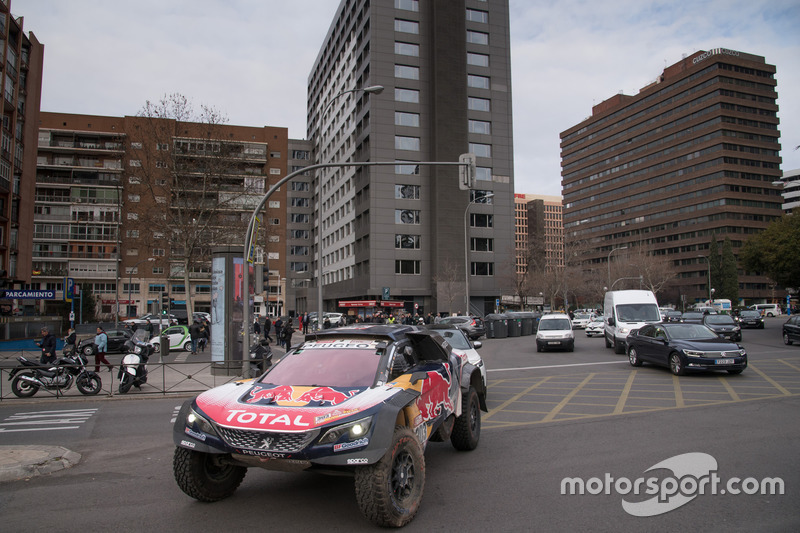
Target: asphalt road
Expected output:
[585,415]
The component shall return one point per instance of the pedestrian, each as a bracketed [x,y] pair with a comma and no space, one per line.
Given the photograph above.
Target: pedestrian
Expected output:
[101,345]
[256,327]
[194,335]
[70,340]
[278,331]
[288,330]
[203,340]
[268,328]
[304,323]
[48,346]
[149,328]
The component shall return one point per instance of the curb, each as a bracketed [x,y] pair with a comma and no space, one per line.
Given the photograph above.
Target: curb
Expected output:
[21,462]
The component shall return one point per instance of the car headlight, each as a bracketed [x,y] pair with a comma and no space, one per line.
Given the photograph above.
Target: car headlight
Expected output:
[624,330]
[195,421]
[353,430]
[694,353]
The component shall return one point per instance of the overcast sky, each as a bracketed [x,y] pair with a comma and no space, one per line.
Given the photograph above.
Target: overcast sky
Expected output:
[251,59]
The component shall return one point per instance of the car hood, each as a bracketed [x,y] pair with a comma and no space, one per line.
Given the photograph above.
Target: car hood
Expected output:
[261,406]
[711,345]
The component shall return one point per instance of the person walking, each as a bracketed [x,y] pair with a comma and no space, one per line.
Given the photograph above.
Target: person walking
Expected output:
[288,331]
[256,327]
[70,340]
[101,343]
[279,331]
[268,328]
[48,346]
[149,328]
[204,336]
[194,335]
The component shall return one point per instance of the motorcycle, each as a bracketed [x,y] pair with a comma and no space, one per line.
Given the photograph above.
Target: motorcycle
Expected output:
[260,358]
[133,369]
[70,369]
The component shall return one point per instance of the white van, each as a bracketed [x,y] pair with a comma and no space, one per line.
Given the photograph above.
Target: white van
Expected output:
[767,309]
[625,311]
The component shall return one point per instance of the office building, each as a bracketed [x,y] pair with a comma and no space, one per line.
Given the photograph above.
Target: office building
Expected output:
[394,236]
[692,157]
[539,232]
[791,190]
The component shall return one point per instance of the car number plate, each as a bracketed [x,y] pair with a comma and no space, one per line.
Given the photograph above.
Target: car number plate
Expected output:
[554,342]
[724,361]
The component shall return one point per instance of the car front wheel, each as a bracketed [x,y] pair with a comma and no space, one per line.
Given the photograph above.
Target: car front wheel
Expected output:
[467,430]
[633,357]
[786,339]
[88,350]
[206,476]
[389,492]
[676,365]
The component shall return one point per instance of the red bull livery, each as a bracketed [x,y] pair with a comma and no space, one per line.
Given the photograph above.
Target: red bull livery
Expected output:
[364,401]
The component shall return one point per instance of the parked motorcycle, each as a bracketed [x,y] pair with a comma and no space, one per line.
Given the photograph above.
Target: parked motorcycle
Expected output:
[260,358]
[70,369]
[133,369]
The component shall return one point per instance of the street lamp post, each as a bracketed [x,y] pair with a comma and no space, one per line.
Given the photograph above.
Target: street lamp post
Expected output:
[372,89]
[466,248]
[609,260]
[708,261]
[130,278]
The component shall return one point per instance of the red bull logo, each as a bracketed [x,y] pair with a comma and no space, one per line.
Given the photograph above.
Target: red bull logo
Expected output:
[435,396]
[288,395]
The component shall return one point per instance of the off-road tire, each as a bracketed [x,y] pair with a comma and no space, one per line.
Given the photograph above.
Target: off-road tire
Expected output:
[89,385]
[389,492]
[204,476]
[467,430]
[23,389]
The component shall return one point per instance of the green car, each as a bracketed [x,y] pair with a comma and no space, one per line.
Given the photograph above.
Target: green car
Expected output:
[179,339]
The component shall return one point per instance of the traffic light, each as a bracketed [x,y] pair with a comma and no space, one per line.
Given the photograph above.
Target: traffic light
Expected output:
[164,303]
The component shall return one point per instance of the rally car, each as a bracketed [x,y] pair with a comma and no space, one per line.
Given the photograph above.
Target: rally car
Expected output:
[358,400]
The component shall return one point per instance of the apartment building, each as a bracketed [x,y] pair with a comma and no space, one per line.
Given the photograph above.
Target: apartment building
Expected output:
[539,231]
[405,235]
[692,157]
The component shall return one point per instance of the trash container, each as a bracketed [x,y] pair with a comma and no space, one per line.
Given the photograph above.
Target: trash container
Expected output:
[496,326]
[527,323]
[514,323]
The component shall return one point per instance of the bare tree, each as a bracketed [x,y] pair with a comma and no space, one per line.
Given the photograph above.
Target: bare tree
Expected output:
[449,283]
[656,271]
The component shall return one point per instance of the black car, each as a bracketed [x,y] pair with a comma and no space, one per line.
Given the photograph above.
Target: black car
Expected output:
[672,316]
[750,319]
[473,325]
[685,347]
[791,330]
[724,326]
[116,339]
[692,317]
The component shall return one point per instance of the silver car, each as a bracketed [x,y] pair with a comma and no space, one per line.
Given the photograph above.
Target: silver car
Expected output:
[459,340]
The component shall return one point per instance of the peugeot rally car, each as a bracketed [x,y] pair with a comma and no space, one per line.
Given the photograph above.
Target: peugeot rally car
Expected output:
[361,400]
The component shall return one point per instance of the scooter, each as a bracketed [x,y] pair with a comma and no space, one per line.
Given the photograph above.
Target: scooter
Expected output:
[70,369]
[260,358]
[133,368]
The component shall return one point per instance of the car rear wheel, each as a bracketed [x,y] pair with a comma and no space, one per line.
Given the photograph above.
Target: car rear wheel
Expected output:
[467,430]
[786,339]
[156,347]
[675,364]
[206,476]
[88,350]
[633,357]
[389,492]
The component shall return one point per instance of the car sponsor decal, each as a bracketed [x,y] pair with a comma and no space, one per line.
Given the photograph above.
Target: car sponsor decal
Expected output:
[195,434]
[287,395]
[435,394]
[188,444]
[340,344]
[350,445]
[358,461]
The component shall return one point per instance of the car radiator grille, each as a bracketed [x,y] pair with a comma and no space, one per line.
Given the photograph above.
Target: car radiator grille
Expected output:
[722,354]
[267,440]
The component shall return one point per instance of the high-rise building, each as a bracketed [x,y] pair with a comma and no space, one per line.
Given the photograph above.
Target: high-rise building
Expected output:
[791,190]
[539,231]
[692,157]
[21,85]
[406,235]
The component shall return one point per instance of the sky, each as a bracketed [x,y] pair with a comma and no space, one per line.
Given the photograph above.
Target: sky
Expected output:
[250,59]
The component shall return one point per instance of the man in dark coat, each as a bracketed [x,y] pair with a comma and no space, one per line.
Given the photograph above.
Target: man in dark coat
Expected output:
[48,346]
[194,334]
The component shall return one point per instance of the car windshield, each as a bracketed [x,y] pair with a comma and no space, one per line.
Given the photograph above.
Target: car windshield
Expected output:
[638,313]
[692,315]
[335,363]
[554,324]
[456,339]
[750,314]
[719,319]
[691,332]
[598,319]
[581,316]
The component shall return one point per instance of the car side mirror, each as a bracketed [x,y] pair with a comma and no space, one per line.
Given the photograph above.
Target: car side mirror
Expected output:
[477,344]
[610,321]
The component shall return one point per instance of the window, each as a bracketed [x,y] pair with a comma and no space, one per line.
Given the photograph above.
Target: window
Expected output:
[480,126]
[480,150]
[406,143]
[298,266]
[473,15]
[161,147]
[299,202]
[136,146]
[406,216]
[406,49]
[274,204]
[407,72]
[299,186]
[133,216]
[135,163]
[481,197]
[406,26]
[406,95]
[406,242]
[161,164]
[406,266]
[478,60]
[299,218]
[298,250]
[481,220]
[481,244]
[133,198]
[298,234]
[483,174]
[406,192]
[476,37]
[300,154]
[133,180]
[408,5]
[406,119]
[478,104]
[413,168]
[158,252]
[482,269]
[477,82]
[132,233]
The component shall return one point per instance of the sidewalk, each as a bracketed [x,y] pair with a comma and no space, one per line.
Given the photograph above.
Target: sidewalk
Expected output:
[21,462]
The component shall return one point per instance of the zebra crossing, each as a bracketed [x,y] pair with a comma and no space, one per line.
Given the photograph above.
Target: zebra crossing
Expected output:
[46,420]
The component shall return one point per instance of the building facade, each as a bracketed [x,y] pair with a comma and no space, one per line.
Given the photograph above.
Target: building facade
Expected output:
[539,231]
[692,157]
[21,86]
[791,190]
[406,234]
[134,206]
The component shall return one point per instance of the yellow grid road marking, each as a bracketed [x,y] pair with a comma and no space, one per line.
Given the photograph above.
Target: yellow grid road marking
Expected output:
[770,380]
[567,398]
[676,384]
[735,397]
[626,390]
[790,365]
[516,397]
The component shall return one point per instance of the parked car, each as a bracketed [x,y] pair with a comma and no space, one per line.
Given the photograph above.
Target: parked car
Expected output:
[116,339]
[595,327]
[791,330]
[692,317]
[178,339]
[768,309]
[750,318]
[154,319]
[364,401]
[672,316]
[473,325]
[724,326]
[460,341]
[685,347]
[581,320]
[555,331]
